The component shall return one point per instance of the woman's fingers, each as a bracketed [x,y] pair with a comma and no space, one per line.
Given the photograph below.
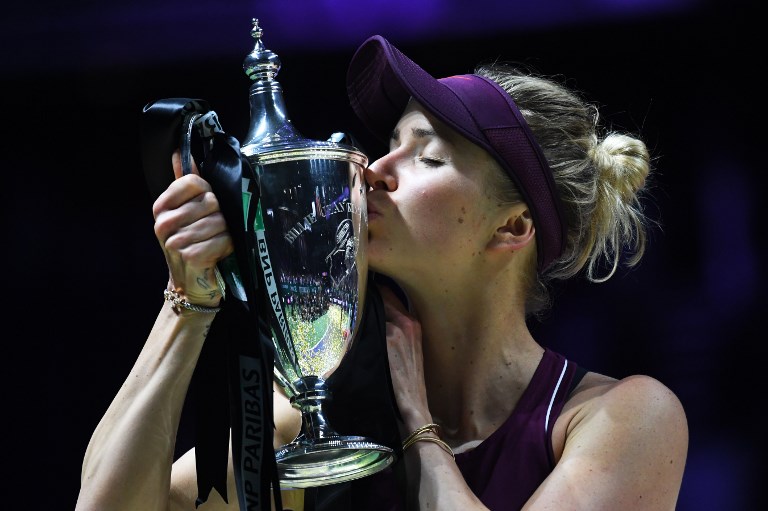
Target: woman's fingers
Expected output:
[201,246]
[394,309]
[178,171]
[193,234]
[200,212]
[181,191]
[406,362]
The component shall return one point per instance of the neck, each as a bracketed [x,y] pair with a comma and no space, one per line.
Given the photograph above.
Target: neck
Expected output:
[478,353]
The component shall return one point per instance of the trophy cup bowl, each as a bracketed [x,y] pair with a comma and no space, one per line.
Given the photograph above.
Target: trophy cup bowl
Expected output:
[311,231]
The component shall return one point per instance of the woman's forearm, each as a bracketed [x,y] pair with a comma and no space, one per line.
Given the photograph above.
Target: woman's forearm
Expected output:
[128,461]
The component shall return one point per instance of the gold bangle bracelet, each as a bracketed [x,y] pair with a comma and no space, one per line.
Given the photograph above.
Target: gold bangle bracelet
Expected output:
[432,439]
[434,428]
[422,435]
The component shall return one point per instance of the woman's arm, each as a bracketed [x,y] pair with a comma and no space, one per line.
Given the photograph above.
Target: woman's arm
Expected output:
[625,448]
[434,479]
[128,461]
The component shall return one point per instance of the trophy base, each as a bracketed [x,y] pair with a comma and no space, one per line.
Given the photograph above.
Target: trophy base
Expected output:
[330,460]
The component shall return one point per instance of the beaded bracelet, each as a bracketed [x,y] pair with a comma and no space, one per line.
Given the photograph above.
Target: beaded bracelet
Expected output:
[422,435]
[178,303]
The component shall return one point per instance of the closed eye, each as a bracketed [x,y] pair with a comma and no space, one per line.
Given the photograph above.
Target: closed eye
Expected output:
[431,162]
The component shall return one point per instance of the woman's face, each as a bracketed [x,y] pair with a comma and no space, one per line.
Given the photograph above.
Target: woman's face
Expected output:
[430,212]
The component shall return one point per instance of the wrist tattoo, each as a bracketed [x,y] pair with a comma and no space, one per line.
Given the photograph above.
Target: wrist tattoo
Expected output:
[202,280]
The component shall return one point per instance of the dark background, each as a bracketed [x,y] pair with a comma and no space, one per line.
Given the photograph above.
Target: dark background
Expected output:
[85,274]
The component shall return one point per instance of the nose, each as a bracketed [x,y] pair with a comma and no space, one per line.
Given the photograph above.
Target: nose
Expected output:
[380,176]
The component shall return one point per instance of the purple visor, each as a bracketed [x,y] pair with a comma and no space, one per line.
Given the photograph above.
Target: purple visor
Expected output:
[381,80]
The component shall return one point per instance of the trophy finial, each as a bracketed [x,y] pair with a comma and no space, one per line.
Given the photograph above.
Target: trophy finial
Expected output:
[261,63]
[256,31]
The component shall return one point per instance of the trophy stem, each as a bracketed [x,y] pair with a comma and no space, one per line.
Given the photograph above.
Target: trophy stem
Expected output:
[319,455]
[313,421]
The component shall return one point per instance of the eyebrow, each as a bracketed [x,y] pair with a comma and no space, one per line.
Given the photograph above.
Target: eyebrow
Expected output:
[416,132]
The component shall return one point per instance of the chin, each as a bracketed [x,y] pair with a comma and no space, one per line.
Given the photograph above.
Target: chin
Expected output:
[385,259]
[380,269]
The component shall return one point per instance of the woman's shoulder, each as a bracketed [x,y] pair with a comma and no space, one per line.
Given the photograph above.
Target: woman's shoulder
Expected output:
[626,440]
[636,394]
[637,408]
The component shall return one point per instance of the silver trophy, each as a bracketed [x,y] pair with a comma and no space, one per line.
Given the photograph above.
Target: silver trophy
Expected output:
[311,234]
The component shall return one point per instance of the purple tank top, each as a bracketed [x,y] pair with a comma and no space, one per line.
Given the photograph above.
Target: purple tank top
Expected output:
[508,466]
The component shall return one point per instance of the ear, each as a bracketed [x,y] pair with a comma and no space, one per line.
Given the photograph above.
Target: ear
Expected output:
[517,231]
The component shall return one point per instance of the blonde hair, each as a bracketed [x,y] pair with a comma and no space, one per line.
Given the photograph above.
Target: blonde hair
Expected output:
[599,179]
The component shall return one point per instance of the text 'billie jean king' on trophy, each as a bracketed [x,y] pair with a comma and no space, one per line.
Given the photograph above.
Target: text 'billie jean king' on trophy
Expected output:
[311,235]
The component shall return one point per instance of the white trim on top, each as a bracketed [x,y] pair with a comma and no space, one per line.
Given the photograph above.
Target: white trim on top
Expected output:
[554,393]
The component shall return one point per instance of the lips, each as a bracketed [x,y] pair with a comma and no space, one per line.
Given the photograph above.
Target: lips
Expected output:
[373,211]
[379,204]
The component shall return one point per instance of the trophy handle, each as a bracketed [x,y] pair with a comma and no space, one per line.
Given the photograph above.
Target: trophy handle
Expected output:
[342,137]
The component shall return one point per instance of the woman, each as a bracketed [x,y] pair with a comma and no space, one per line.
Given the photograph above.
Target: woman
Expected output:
[495,184]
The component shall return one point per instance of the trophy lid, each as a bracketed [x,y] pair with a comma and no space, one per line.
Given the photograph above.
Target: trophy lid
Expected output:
[271,136]
[261,63]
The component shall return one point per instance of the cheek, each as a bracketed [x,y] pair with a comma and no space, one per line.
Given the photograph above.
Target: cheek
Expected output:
[444,219]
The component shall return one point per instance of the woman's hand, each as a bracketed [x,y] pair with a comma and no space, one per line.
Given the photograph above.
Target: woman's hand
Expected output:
[406,361]
[435,481]
[193,235]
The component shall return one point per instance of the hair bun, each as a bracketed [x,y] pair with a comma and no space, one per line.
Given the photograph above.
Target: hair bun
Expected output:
[623,163]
